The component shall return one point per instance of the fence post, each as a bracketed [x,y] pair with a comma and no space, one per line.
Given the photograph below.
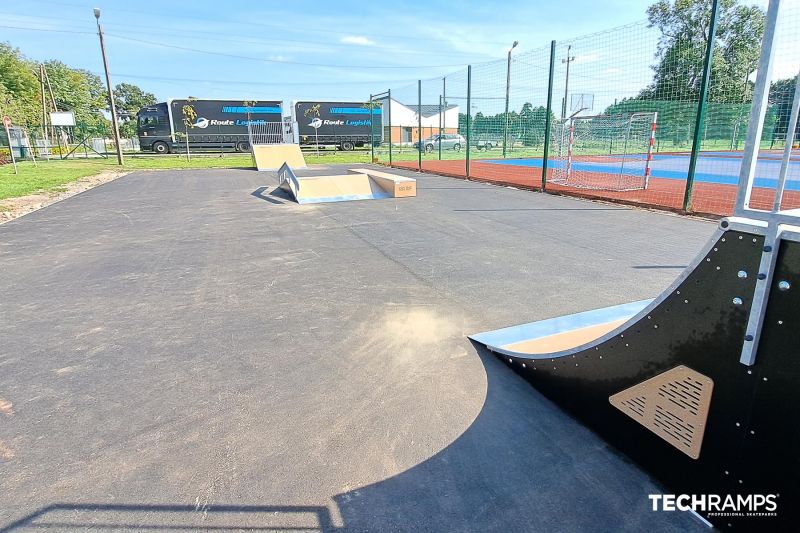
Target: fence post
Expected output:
[469,111]
[546,153]
[442,111]
[419,125]
[389,119]
[701,108]
[371,130]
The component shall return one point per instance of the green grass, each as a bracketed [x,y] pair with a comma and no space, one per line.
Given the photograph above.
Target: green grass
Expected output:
[53,175]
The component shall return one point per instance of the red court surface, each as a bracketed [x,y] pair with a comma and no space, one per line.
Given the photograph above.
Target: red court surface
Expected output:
[708,198]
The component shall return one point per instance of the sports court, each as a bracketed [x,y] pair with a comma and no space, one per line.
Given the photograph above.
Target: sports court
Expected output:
[712,167]
[599,176]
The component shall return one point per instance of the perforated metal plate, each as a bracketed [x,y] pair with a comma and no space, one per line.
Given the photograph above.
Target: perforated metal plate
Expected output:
[674,405]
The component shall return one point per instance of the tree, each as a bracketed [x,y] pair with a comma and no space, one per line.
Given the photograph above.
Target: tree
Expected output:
[781,96]
[129,99]
[189,118]
[685,27]
[81,92]
[19,87]
[532,123]
[677,74]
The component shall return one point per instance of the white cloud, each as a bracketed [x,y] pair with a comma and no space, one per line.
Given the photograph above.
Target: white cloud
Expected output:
[357,39]
[591,57]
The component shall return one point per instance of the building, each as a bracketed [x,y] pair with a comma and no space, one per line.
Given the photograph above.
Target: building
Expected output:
[405,121]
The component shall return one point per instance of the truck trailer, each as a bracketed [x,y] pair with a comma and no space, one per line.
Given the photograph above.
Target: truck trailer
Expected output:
[345,125]
[212,124]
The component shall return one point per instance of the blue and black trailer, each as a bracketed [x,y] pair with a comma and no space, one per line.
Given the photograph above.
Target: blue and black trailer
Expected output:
[345,125]
[205,124]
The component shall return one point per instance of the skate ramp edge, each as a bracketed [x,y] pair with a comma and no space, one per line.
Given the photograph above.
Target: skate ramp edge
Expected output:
[546,337]
[397,186]
[273,156]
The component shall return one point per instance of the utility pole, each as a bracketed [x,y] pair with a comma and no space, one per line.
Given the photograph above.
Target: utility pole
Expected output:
[508,91]
[58,136]
[114,123]
[44,105]
[569,59]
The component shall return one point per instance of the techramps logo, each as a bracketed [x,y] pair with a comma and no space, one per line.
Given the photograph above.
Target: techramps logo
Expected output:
[316,123]
[716,505]
[201,123]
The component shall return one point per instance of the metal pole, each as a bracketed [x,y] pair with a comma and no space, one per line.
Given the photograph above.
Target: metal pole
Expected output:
[469,111]
[44,108]
[114,123]
[53,103]
[440,127]
[746,177]
[389,119]
[371,131]
[508,90]
[419,123]
[701,108]
[548,113]
[787,149]
[444,119]
[55,108]
[568,60]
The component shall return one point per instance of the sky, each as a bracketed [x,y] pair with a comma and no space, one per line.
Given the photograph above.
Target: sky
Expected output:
[313,50]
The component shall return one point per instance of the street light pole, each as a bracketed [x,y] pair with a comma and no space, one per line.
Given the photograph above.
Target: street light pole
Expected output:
[508,90]
[569,59]
[114,123]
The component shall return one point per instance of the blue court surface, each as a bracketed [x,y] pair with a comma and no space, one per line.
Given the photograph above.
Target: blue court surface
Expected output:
[712,167]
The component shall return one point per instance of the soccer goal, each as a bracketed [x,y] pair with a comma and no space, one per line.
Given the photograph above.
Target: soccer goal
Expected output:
[604,152]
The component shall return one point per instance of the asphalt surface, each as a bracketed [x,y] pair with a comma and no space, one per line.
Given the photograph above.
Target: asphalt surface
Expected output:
[190,350]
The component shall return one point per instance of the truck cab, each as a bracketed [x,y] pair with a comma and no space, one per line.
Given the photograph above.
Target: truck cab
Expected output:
[153,129]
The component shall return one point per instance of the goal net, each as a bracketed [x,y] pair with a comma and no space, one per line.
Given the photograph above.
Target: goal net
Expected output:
[603,152]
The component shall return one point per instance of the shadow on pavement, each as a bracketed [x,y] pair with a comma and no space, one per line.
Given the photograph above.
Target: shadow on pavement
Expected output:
[522,465]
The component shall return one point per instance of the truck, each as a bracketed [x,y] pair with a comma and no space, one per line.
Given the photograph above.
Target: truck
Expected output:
[212,124]
[344,125]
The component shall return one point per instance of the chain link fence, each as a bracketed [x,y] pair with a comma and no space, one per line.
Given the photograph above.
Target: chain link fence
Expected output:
[80,141]
[626,114]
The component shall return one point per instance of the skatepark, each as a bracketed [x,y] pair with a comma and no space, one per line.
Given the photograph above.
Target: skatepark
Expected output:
[366,347]
[199,351]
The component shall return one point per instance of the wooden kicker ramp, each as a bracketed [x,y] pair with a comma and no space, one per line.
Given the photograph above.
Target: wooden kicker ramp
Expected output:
[273,156]
[667,381]
[357,184]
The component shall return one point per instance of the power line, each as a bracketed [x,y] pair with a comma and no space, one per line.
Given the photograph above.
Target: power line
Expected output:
[48,30]
[278,61]
[223,54]
[171,32]
[193,34]
[275,26]
[242,82]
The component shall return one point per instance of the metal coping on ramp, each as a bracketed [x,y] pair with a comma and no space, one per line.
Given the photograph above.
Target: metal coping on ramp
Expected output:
[358,184]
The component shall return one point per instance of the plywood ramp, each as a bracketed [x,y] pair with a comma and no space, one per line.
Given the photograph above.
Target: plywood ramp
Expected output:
[357,185]
[564,340]
[397,186]
[338,188]
[272,156]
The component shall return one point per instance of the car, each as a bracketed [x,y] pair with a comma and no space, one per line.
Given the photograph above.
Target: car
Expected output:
[449,141]
[485,142]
